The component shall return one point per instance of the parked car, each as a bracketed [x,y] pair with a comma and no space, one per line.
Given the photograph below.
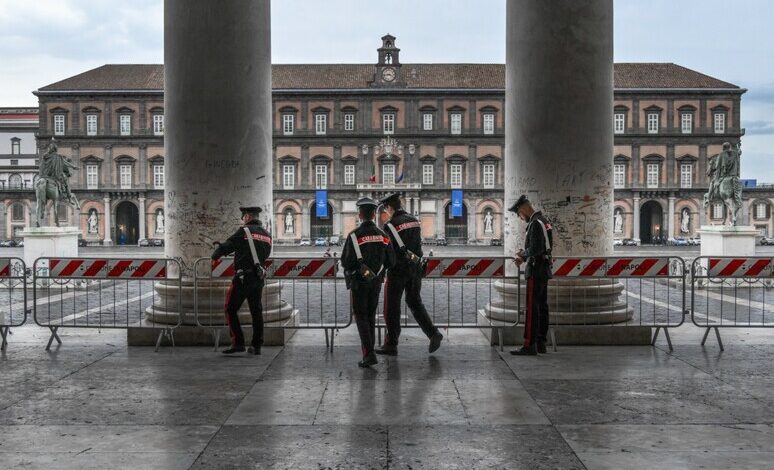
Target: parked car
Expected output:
[20,244]
[629,242]
[321,241]
[82,242]
[305,242]
[496,242]
[767,241]
[158,242]
[441,241]
[8,243]
[335,240]
[144,242]
[618,242]
[680,242]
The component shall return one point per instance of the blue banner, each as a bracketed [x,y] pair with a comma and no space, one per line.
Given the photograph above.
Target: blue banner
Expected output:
[321,204]
[749,183]
[456,204]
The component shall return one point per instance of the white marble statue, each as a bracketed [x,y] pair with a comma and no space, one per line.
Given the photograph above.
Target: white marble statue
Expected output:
[488,222]
[93,221]
[159,221]
[685,220]
[618,222]
[289,222]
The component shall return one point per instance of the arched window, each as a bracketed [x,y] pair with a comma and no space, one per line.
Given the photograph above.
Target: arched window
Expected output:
[15,181]
[17,212]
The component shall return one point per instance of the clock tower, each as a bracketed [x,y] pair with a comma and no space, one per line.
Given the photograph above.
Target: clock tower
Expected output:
[388,68]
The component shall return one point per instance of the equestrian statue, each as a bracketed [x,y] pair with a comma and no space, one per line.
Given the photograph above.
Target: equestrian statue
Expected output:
[51,183]
[725,186]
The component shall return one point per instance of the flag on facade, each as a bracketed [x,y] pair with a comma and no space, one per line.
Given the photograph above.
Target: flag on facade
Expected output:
[399,178]
[372,178]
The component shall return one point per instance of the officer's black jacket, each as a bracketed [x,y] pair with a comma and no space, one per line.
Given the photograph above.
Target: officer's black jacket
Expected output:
[237,244]
[374,245]
[535,250]
[410,232]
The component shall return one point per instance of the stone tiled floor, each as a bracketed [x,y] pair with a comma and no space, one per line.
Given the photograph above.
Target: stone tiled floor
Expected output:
[93,403]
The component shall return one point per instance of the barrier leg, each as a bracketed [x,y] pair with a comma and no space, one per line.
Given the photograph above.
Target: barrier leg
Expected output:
[668,338]
[552,335]
[327,343]
[655,336]
[706,333]
[4,333]
[158,341]
[500,338]
[53,337]
[216,338]
[166,332]
[720,342]
[333,335]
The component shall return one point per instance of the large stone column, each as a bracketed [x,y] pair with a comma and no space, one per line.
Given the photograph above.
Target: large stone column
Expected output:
[559,56]
[143,217]
[636,218]
[217,138]
[670,220]
[107,240]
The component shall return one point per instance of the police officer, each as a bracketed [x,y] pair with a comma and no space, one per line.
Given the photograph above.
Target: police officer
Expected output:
[406,240]
[536,256]
[365,258]
[252,246]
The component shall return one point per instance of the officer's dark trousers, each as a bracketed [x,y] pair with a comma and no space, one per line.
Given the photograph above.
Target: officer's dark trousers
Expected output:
[396,284]
[250,288]
[365,299]
[536,321]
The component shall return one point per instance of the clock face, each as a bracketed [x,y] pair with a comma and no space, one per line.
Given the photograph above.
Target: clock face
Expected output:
[388,74]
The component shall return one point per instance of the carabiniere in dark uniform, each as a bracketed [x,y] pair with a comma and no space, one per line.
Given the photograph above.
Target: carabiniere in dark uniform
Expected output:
[537,256]
[405,234]
[365,258]
[248,281]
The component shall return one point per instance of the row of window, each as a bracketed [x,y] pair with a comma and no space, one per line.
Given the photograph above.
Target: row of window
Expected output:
[653,120]
[92,120]
[15,146]
[388,123]
[653,175]
[388,175]
[124,176]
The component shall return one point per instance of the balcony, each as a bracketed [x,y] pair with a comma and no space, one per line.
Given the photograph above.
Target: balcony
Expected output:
[394,186]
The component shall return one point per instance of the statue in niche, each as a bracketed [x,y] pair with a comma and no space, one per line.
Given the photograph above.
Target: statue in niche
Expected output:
[618,221]
[685,220]
[289,222]
[160,221]
[488,221]
[93,221]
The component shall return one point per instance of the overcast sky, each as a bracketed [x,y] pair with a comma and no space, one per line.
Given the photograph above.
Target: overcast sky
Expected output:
[43,41]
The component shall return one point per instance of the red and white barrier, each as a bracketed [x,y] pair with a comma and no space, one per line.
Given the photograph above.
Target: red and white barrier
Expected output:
[740,267]
[5,267]
[107,269]
[307,268]
[611,267]
[465,267]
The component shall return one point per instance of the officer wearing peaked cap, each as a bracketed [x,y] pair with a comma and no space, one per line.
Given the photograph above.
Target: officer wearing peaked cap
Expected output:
[536,256]
[405,235]
[365,258]
[251,245]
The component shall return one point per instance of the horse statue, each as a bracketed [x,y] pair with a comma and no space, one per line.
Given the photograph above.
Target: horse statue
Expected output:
[51,184]
[725,186]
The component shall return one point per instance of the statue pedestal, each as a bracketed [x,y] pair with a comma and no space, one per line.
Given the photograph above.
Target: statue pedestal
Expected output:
[724,240]
[49,241]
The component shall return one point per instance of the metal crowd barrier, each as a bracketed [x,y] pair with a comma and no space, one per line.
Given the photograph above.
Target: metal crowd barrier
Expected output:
[110,293]
[618,291]
[310,288]
[730,292]
[453,291]
[13,302]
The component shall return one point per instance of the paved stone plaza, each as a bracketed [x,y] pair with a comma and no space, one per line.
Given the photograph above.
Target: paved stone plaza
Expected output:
[95,403]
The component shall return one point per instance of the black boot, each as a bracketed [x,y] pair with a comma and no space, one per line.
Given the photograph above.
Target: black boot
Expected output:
[254,350]
[234,349]
[387,350]
[541,347]
[368,361]
[525,351]
[435,342]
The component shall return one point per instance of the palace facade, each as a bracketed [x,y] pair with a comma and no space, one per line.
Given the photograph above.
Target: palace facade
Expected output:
[432,131]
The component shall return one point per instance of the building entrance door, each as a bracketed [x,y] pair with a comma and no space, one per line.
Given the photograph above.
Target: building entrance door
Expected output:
[127,223]
[651,222]
[456,228]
